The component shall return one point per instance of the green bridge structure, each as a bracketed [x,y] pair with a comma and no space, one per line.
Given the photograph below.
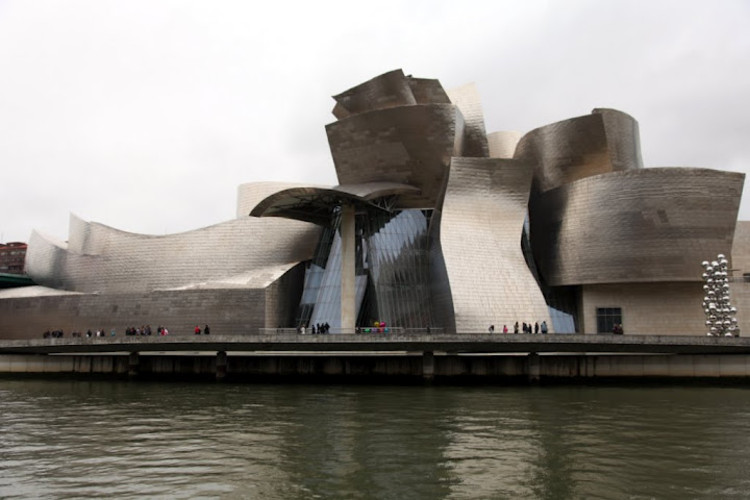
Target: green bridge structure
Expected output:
[14,280]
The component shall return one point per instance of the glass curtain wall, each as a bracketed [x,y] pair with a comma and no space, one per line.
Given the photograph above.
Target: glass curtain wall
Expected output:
[392,283]
[397,260]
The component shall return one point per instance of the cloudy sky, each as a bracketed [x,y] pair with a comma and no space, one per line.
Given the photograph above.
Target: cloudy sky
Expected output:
[147,115]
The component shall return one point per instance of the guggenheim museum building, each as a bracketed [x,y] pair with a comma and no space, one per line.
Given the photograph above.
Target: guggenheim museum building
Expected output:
[435,223]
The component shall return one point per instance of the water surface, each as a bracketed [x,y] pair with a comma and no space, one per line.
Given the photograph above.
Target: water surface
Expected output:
[91,439]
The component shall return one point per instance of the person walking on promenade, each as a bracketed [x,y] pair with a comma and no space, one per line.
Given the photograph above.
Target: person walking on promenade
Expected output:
[515,327]
[197,330]
[206,330]
[536,327]
[505,328]
[544,328]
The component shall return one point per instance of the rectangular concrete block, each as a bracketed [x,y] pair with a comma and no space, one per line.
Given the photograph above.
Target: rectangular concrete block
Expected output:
[732,366]
[680,366]
[706,366]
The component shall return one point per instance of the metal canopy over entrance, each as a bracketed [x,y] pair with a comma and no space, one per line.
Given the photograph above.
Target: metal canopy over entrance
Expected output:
[323,206]
[316,205]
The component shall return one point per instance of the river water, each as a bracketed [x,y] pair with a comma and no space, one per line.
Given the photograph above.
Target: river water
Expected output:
[100,438]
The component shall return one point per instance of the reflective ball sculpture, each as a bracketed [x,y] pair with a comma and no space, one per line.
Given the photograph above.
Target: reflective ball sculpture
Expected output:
[719,312]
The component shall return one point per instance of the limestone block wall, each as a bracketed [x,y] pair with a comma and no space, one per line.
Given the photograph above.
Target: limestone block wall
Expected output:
[228,311]
[739,295]
[740,258]
[647,308]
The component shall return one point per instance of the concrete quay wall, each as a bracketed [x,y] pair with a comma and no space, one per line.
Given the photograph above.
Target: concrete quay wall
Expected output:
[383,367]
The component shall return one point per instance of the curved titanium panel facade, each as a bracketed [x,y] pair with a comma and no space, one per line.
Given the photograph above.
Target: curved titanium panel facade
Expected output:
[106,260]
[384,91]
[428,91]
[389,90]
[563,152]
[646,225]
[405,145]
[480,238]
[623,138]
[466,98]
[503,144]
[252,193]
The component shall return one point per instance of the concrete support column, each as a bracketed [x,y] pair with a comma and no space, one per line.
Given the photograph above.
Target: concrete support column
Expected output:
[133,361]
[428,365]
[348,256]
[533,367]
[221,365]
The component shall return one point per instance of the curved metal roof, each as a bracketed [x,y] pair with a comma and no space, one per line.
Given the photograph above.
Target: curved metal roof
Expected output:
[313,204]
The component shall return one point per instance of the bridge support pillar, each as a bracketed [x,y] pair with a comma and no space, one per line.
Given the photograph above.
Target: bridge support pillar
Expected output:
[133,362]
[221,365]
[428,365]
[533,367]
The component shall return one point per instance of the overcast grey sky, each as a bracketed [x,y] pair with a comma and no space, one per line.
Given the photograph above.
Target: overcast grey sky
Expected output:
[147,115]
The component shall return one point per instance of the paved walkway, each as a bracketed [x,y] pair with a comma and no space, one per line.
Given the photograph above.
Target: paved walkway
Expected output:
[387,343]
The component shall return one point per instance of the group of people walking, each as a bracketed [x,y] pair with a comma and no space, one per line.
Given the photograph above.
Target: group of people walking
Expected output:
[315,329]
[525,328]
[54,334]
[145,330]
[58,334]
[130,331]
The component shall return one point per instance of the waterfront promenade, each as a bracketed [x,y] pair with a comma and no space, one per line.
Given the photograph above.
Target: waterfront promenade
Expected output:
[479,357]
[384,343]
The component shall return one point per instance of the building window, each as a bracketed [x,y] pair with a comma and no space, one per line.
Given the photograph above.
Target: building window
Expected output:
[607,318]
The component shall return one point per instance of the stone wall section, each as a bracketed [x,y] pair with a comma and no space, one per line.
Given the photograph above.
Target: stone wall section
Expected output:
[647,308]
[229,311]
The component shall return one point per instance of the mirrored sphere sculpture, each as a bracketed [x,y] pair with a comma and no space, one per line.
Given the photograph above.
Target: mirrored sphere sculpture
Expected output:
[720,313]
